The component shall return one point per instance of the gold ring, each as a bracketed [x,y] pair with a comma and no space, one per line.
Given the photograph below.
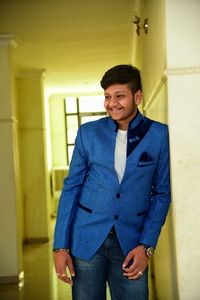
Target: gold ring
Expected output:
[63,274]
[140,273]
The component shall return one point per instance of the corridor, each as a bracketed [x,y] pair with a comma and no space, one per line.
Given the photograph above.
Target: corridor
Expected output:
[53,53]
[40,282]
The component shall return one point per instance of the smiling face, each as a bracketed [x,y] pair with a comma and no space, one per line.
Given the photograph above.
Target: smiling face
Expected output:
[121,104]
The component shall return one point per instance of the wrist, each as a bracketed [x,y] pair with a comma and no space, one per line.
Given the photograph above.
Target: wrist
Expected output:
[60,249]
[149,251]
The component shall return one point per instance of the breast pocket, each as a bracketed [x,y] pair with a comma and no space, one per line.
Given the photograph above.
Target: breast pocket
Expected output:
[146,163]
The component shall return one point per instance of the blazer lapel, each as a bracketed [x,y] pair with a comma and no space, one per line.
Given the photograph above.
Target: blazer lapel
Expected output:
[136,134]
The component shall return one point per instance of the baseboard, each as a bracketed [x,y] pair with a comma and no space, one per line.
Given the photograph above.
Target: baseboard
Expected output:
[11,279]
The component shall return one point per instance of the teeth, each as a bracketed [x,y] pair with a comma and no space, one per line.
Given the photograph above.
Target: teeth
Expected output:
[115,109]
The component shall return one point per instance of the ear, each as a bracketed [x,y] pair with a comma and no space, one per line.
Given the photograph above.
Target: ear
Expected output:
[138,97]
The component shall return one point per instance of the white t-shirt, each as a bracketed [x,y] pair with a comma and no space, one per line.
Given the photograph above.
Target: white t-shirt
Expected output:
[120,153]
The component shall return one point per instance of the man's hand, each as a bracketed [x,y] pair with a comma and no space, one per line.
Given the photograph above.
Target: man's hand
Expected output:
[135,263]
[62,260]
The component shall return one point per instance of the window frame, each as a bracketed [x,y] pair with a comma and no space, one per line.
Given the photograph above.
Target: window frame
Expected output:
[79,116]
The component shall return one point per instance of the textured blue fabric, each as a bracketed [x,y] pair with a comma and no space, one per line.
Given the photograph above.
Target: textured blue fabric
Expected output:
[137,207]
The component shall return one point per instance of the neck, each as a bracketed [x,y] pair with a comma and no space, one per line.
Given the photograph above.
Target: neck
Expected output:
[123,125]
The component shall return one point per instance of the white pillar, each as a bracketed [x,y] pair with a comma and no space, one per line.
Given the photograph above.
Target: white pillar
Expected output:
[184,125]
[33,156]
[10,206]
[183,63]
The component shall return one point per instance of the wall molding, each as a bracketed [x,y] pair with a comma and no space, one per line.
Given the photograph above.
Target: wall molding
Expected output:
[156,92]
[27,74]
[7,40]
[166,73]
[9,120]
[182,71]
[32,128]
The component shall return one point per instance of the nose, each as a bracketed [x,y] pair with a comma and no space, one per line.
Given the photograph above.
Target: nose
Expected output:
[112,101]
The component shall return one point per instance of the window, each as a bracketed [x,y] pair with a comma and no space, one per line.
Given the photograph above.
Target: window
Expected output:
[79,110]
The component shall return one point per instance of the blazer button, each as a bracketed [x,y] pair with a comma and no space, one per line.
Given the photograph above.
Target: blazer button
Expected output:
[116,217]
[118,195]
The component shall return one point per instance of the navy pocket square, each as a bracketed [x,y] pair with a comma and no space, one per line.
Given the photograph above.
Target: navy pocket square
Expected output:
[145,157]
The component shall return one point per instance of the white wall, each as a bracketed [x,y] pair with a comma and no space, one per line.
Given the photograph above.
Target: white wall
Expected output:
[184,123]
[183,72]
[172,89]
[183,38]
[33,160]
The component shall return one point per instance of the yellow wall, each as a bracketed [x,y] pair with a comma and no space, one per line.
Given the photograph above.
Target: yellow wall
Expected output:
[33,162]
[154,48]
[10,196]
[23,176]
[155,106]
[137,41]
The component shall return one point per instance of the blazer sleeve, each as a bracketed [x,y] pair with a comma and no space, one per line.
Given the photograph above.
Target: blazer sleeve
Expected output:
[70,192]
[161,196]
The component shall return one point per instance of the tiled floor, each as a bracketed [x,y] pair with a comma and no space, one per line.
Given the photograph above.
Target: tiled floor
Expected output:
[40,281]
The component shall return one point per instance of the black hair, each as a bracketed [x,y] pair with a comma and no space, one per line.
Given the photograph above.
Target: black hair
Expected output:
[122,74]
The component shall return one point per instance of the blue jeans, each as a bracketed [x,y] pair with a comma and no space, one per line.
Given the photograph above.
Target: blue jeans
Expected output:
[106,266]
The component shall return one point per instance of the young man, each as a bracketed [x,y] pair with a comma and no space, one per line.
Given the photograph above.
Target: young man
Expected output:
[116,197]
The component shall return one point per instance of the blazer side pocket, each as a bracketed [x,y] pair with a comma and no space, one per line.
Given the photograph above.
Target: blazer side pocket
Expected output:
[89,210]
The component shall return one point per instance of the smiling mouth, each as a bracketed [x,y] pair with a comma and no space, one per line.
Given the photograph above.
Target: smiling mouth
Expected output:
[115,109]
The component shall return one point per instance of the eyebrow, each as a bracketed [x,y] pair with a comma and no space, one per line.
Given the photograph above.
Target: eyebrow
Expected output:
[115,92]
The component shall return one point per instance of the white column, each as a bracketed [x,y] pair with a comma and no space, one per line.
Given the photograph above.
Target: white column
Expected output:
[10,201]
[184,125]
[33,156]
[183,62]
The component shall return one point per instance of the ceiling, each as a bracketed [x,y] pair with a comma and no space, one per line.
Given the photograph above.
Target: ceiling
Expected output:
[74,41]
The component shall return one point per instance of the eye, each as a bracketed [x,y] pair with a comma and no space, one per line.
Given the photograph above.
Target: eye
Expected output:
[120,96]
[107,97]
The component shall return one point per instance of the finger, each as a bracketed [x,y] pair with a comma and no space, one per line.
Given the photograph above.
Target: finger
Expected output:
[132,274]
[128,260]
[132,266]
[130,269]
[136,276]
[63,276]
[71,267]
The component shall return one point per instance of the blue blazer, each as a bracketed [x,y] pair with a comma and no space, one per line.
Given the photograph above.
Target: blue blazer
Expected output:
[93,200]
